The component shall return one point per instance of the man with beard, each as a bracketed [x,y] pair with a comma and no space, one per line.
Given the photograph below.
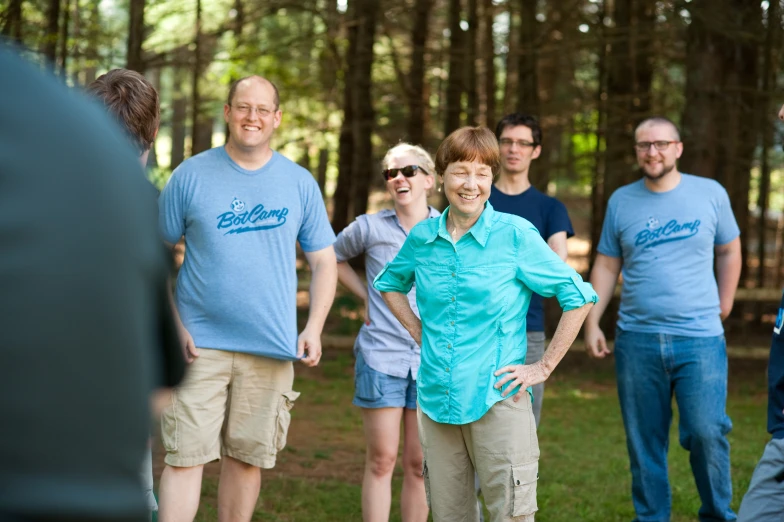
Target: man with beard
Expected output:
[667,231]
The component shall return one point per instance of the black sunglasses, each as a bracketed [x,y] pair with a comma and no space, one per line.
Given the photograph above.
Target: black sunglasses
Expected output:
[408,171]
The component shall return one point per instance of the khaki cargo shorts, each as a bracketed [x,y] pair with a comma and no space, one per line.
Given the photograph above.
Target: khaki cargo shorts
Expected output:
[503,449]
[229,403]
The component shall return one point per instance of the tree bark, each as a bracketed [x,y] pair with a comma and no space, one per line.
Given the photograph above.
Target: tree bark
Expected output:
[341,200]
[323,163]
[512,58]
[527,83]
[179,114]
[64,36]
[597,183]
[488,60]
[417,103]
[767,130]
[135,61]
[362,102]
[471,81]
[454,86]
[201,130]
[49,44]
[90,65]
[12,25]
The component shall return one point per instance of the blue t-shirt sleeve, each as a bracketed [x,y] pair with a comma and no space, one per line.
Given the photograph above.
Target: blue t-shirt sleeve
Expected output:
[316,232]
[399,274]
[558,220]
[541,270]
[171,210]
[610,241]
[351,240]
[726,226]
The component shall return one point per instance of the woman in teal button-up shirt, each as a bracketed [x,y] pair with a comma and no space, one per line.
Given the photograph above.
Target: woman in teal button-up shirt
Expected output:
[475,270]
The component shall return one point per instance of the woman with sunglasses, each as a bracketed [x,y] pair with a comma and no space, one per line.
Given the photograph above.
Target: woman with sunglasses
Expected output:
[475,270]
[387,358]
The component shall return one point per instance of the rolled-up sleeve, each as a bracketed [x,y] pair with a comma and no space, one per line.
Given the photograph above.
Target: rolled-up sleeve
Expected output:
[541,270]
[351,240]
[399,274]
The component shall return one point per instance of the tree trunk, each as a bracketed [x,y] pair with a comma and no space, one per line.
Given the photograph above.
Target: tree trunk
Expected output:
[471,77]
[767,130]
[527,82]
[628,91]
[341,200]
[454,86]
[323,163]
[201,130]
[719,119]
[90,64]
[135,61]
[488,60]
[597,185]
[362,102]
[12,25]
[49,44]
[64,36]
[512,58]
[417,103]
[179,114]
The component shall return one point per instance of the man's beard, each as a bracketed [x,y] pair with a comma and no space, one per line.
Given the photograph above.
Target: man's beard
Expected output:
[666,169]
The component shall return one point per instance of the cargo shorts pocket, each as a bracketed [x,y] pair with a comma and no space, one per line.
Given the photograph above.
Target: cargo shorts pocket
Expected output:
[367,385]
[524,479]
[284,418]
[169,428]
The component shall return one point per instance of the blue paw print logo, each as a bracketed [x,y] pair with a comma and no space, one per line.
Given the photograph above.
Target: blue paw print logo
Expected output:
[237,205]
[652,223]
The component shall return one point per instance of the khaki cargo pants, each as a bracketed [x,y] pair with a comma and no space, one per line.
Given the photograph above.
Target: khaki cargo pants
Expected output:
[503,449]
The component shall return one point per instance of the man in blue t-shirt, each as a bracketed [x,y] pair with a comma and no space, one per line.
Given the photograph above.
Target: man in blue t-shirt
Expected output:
[666,232]
[520,140]
[242,209]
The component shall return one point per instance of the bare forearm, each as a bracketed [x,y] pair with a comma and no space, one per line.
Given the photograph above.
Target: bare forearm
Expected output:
[350,279]
[565,334]
[322,293]
[604,276]
[400,307]
[728,267]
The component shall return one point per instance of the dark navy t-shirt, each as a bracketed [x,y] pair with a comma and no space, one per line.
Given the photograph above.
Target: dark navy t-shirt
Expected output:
[549,216]
[776,378]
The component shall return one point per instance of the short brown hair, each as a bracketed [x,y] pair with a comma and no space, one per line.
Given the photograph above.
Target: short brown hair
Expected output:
[468,144]
[233,89]
[131,99]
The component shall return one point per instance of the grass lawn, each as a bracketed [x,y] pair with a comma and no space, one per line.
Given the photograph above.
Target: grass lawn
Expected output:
[583,470]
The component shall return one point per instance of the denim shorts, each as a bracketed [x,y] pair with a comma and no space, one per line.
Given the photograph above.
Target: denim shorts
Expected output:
[373,389]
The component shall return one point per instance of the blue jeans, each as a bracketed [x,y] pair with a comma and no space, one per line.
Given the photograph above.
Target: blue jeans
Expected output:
[651,368]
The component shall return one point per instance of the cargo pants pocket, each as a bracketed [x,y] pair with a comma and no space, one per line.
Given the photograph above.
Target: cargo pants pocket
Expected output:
[426,477]
[524,480]
[284,418]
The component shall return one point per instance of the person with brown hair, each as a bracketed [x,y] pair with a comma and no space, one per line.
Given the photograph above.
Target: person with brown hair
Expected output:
[475,270]
[133,101]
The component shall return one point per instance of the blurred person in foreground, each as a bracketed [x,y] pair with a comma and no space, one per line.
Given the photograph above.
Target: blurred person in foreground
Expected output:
[667,232]
[764,501]
[82,306]
[387,357]
[132,100]
[475,270]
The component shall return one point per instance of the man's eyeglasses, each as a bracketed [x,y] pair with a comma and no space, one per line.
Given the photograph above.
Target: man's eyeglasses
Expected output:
[508,142]
[408,171]
[247,109]
[644,146]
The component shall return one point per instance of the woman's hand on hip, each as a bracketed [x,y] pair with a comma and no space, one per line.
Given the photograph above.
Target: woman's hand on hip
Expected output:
[523,375]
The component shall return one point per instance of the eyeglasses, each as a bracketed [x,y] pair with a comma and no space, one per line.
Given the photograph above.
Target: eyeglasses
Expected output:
[645,146]
[408,171]
[247,109]
[508,142]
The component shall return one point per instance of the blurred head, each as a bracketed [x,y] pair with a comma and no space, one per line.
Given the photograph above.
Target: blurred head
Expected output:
[657,143]
[252,113]
[133,101]
[466,162]
[520,140]
[410,174]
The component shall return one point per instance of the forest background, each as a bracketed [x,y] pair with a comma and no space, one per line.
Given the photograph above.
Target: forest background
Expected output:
[357,76]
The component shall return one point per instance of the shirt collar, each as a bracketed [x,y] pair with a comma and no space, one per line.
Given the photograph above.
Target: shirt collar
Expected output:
[480,230]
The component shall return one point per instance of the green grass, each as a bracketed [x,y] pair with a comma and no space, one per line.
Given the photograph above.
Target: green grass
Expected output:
[583,469]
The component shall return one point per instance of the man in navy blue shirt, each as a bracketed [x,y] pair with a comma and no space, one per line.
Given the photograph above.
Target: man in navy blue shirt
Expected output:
[764,501]
[520,139]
